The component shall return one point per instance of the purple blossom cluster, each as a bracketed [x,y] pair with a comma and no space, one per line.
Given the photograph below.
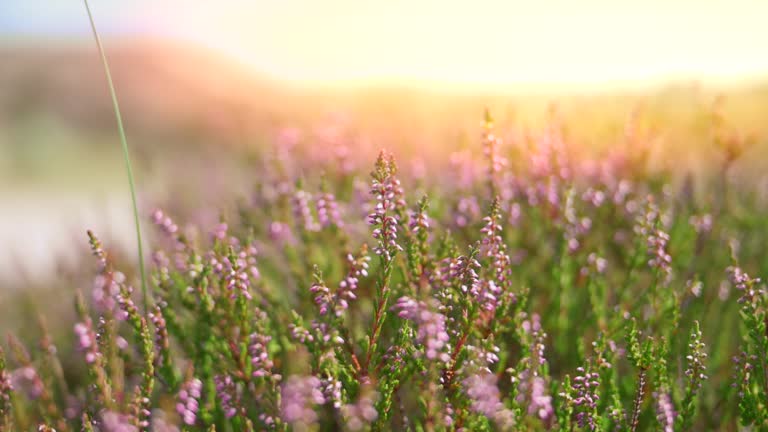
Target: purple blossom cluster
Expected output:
[300,396]
[361,413]
[261,363]
[328,211]
[586,386]
[302,212]
[665,411]
[431,333]
[115,422]
[388,195]
[86,341]
[483,392]
[226,392]
[189,401]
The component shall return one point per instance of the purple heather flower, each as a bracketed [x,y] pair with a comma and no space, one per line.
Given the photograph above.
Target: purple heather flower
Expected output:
[491,150]
[236,277]
[188,402]
[26,380]
[115,422]
[219,232]
[750,290]
[332,391]
[650,227]
[106,285]
[165,223]
[328,211]
[6,385]
[260,361]
[161,332]
[484,394]
[301,211]
[665,411]
[323,297]
[696,359]
[280,233]
[300,395]
[467,211]
[594,196]
[86,341]
[361,413]
[431,327]
[532,386]
[388,193]
[586,387]
[226,392]
[541,402]
[357,268]
[701,224]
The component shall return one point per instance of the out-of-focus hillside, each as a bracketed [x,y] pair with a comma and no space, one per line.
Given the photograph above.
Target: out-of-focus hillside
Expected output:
[196,120]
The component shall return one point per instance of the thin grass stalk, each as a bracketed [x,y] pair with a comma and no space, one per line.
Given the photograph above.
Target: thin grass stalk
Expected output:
[144,291]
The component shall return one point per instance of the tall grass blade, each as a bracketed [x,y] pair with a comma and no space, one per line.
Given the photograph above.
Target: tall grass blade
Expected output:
[124,141]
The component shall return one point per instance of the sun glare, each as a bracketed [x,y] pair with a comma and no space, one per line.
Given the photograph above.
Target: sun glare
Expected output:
[489,43]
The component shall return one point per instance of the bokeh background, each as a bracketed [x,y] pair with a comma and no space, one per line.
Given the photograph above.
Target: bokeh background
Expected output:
[208,87]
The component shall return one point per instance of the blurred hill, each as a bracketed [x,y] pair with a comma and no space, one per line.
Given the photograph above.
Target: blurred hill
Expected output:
[191,115]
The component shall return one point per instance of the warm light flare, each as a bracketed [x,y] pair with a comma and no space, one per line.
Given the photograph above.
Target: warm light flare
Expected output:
[488,43]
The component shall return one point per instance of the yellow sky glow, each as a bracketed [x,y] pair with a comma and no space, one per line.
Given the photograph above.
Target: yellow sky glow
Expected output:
[490,43]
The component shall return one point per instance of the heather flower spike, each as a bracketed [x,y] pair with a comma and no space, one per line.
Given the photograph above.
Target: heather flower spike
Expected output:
[551,303]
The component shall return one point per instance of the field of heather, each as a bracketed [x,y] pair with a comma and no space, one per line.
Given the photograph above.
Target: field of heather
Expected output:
[260,252]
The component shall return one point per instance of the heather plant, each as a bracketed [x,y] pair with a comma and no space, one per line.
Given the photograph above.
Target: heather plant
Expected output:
[576,300]
[529,288]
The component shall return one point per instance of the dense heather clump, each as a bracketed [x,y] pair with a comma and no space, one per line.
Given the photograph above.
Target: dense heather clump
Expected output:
[519,286]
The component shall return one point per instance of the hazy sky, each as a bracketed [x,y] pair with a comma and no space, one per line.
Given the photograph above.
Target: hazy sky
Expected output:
[473,42]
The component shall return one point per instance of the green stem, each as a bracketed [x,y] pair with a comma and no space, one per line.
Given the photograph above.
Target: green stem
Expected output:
[124,141]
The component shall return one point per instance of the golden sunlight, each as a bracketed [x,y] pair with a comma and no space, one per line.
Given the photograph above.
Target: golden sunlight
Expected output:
[490,43]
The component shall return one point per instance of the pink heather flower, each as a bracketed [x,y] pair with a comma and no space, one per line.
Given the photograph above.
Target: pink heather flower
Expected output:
[164,223]
[360,414]
[161,332]
[219,232]
[226,391]
[106,285]
[532,387]
[541,402]
[188,403]
[388,193]
[6,386]
[236,277]
[328,211]
[665,411]
[431,333]
[467,211]
[357,268]
[300,395]
[301,211]
[332,391]
[650,227]
[484,394]
[260,361]
[750,290]
[696,359]
[586,385]
[116,422]
[26,380]
[491,150]
[701,224]
[86,341]
[280,233]
[323,297]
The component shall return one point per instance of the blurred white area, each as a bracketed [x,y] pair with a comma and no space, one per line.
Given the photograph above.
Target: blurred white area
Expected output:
[41,231]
